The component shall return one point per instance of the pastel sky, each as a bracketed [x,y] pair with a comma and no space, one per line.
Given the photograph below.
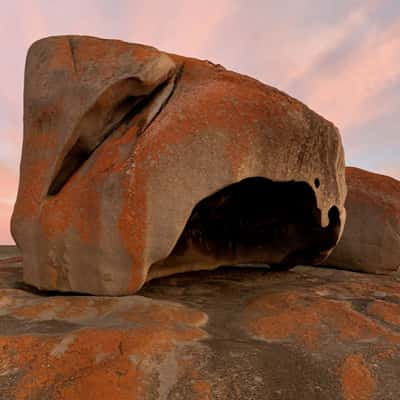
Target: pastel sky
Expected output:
[340,57]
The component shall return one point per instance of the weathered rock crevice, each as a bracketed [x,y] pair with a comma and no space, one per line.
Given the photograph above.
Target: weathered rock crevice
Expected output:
[117,119]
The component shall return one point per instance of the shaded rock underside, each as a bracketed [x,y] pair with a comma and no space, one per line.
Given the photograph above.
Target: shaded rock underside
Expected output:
[254,221]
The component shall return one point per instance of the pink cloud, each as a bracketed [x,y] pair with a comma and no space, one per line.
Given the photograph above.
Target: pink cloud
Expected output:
[5,215]
[307,47]
[8,191]
[347,94]
[179,26]
[8,184]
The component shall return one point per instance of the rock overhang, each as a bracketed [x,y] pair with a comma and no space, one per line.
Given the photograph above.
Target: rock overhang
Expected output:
[99,225]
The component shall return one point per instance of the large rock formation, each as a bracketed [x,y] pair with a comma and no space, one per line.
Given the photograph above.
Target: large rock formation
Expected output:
[371,238]
[138,164]
[309,333]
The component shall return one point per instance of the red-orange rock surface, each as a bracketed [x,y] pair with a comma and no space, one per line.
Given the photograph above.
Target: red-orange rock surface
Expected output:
[371,238]
[310,333]
[135,161]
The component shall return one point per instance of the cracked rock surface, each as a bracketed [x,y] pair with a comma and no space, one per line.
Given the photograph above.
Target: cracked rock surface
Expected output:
[234,333]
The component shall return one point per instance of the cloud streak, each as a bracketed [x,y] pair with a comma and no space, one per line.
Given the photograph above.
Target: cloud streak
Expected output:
[348,92]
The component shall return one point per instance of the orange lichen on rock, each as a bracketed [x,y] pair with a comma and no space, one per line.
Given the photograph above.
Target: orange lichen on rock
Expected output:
[71,309]
[310,333]
[112,348]
[371,238]
[123,141]
[75,373]
[375,189]
[358,383]
[388,312]
[202,389]
[309,318]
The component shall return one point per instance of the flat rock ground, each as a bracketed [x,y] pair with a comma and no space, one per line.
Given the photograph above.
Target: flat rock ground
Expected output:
[7,252]
[234,333]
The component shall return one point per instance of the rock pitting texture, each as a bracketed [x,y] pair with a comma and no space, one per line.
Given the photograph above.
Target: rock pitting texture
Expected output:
[371,238]
[310,333]
[135,161]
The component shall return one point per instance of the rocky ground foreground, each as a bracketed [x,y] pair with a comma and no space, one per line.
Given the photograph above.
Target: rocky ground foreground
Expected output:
[310,333]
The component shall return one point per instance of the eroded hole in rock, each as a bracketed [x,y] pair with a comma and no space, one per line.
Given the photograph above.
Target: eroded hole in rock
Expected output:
[255,221]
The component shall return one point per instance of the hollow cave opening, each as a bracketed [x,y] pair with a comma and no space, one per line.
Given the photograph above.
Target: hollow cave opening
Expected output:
[254,221]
